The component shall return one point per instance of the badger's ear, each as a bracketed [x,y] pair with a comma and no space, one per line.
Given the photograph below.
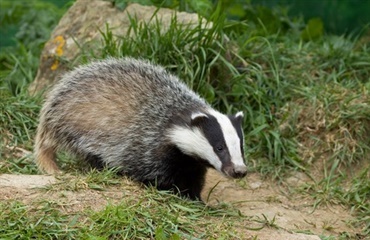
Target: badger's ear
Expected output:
[237,119]
[239,115]
[198,118]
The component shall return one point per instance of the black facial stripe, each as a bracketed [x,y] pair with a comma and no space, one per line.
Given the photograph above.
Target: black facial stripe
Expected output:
[213,133]
[237,124]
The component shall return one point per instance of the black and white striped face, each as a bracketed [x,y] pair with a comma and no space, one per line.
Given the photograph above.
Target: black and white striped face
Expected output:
[216,138]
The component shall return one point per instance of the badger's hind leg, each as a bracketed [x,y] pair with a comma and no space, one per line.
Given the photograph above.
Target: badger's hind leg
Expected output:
[45,152]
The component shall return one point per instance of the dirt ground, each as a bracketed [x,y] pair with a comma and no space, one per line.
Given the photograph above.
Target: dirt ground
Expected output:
[293,215]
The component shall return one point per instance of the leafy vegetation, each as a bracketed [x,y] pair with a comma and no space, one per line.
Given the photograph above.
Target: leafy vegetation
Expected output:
[305,96]
[33,22]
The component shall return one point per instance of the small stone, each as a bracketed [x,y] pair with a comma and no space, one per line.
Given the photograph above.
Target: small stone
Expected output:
[255,185]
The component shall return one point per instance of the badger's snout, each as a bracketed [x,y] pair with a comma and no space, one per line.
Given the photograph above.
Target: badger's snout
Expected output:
[238,171]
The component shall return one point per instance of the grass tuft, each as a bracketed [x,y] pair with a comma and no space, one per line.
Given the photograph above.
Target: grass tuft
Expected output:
[18,120]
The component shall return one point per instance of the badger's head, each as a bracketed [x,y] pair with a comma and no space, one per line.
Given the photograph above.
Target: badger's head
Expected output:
[215,138]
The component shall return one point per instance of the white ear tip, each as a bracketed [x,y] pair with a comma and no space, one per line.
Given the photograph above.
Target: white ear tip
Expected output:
[197,114]
[239,114]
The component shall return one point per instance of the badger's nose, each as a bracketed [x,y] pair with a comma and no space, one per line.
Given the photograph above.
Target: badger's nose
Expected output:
[240,171]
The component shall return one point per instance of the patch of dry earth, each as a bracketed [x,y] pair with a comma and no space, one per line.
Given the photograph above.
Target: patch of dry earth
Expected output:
[290,213]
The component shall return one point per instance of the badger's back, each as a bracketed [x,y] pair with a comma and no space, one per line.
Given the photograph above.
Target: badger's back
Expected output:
[116,110]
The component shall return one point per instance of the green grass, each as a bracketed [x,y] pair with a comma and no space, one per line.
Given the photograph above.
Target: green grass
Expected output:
[306,103]
[18,121]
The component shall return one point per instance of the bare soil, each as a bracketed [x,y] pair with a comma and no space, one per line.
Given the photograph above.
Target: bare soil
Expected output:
[292,215]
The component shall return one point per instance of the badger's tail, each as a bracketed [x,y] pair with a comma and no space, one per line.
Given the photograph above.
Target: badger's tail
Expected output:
[45,150]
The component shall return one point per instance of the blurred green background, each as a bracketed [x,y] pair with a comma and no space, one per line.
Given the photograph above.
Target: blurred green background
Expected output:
[18,16]
[339,16]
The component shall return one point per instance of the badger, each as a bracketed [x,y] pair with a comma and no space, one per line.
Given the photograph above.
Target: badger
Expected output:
[134,116]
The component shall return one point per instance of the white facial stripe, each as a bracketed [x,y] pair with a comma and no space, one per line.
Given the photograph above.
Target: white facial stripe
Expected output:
[194,143]
[231,138]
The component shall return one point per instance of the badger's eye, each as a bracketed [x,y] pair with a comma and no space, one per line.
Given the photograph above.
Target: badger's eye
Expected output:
[220,148]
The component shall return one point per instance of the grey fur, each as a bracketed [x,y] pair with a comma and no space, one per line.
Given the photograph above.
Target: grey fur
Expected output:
[115,112]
